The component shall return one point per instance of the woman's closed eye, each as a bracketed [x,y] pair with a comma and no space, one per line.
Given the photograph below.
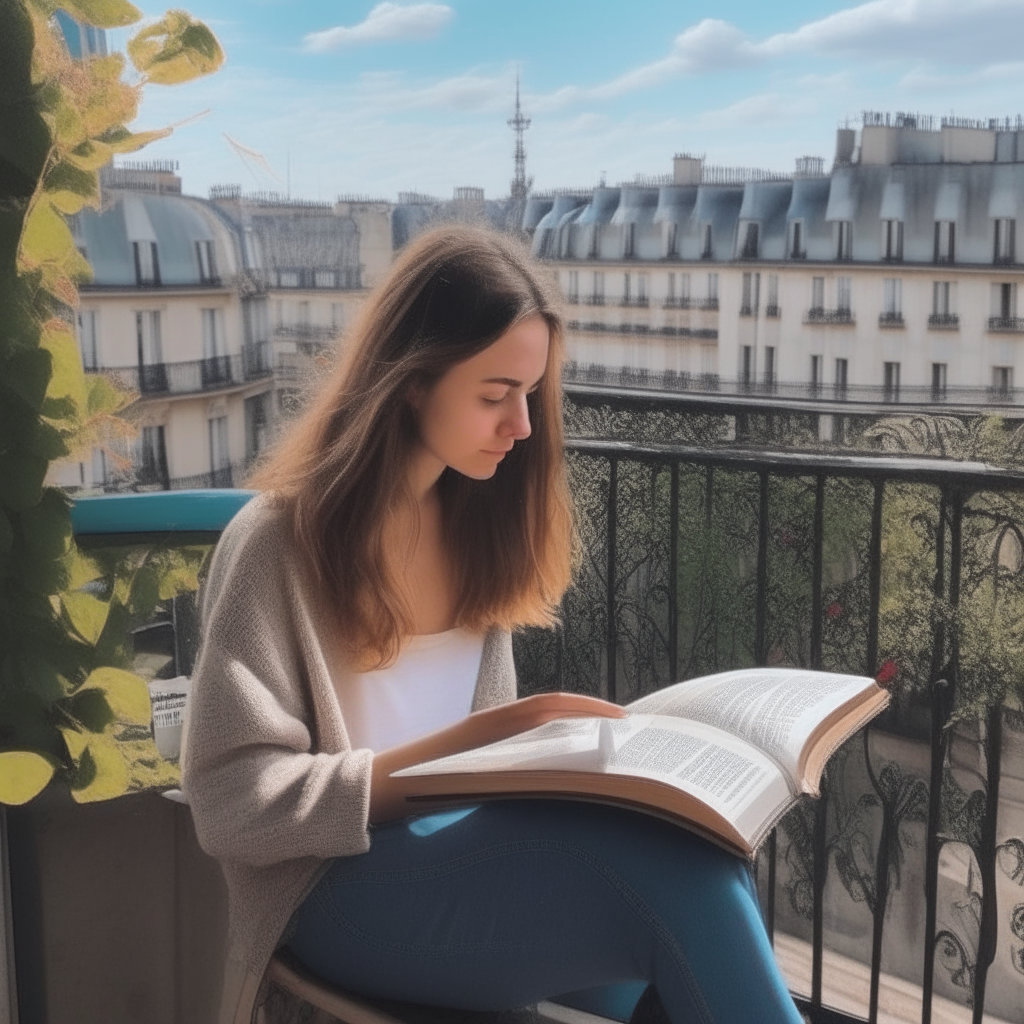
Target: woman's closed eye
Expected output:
[497,401]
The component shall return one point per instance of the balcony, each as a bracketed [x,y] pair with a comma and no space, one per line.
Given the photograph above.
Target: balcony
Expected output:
[674,303]
[772,312]
[709,304]
[594,299]
[668,330]
[944,322]
[698,557]
[636,302]
[838,317]
[1006,324]
[891,320]
[194,376]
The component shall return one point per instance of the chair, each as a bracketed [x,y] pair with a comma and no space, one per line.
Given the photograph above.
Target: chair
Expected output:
[288,975]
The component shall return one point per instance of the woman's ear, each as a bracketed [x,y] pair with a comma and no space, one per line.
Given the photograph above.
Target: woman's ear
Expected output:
[414,395]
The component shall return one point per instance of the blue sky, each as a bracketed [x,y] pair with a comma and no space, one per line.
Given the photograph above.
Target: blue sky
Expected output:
[348,96]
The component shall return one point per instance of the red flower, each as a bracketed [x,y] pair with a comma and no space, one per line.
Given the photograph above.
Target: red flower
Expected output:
[834,610]
[887,673]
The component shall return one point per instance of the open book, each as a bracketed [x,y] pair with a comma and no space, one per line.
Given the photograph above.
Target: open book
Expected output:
[725,755]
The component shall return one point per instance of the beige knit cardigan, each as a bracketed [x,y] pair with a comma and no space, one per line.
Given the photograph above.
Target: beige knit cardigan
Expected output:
[275,787]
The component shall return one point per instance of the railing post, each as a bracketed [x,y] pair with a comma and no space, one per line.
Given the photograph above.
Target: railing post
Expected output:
[8,978]
[613,487]
[874,577]
[761,598]
[673,572]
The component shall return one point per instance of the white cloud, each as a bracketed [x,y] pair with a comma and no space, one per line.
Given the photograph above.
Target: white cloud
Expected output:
[385,23]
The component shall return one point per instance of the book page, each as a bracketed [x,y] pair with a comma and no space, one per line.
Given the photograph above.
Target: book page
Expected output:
[775,709]
[730,776]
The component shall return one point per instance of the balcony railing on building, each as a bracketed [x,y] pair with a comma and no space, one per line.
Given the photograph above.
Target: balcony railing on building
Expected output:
[943,322]
[891,318]
[820,315]
[1006,324]
[194,375]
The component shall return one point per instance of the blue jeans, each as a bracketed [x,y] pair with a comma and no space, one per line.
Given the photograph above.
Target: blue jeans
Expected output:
[516,901]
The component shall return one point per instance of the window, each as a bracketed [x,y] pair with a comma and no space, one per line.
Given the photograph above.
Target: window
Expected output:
[892,301]
[892,240]
[844,289]
[746,364]
[625,289]
[288,279]
[147,263]
[207,264]
[629,249]
[751,287]
[595,241]
[1005,230]
[598,296]
[257,425]
[844,240]
[153,457]
[750,241]
[842,368]
[337,316]
[670,290]
[796,240]
[938,381]
[147,336]
[1002,379]
[815,372]
[574,286]
[945,241]
[220,457]
[713,290]
[891,381]
[303,319]
[772,306]
[325,279]
[1004,300]
[641,289]
[769,364]
[213,340]
[88,338]
[706,250]
[817,294]
[100,473]
[684,290]
[943,293]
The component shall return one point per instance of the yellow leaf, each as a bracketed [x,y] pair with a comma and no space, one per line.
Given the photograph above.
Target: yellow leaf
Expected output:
[126,693]
[23,775]
[88,614]
[175,49]
[129,142]
[102,772]
[90,155]
[45,237]
[103,13]
[181,580]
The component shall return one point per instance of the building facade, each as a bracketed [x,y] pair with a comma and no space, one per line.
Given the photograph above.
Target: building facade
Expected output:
[214,313]
[892,278]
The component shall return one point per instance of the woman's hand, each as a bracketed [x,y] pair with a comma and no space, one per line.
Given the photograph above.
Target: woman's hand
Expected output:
[387,795]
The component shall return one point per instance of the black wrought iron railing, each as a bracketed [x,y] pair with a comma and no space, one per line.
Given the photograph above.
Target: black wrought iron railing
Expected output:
[891,319]
[855,397]
[699,558]
[1006,324]
[943,322]
[817,315]
[193,375]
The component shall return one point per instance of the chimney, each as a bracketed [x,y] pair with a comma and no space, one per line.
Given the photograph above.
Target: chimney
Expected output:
[846,140]
[687,169]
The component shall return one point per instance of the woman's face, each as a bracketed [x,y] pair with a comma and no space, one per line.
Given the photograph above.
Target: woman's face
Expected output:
[477,411]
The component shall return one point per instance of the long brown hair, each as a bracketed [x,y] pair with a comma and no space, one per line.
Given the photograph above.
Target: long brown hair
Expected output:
[341,470]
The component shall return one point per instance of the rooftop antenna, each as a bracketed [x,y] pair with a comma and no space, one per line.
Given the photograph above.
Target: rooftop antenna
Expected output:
[521,184]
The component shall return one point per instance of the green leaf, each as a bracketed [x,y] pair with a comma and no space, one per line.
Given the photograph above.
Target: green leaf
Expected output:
[6,533]
[120,140]
[102,772]
[24,774]
[81,569]
[90,155]
[75,741]
[67,378]
[91,709]
[21,481]
[175,49]
[88,614]
[126,693]
[103,13]
[28,374]
[70,188]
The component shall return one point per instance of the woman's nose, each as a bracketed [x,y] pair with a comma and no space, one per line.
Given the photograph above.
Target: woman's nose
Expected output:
[517,425]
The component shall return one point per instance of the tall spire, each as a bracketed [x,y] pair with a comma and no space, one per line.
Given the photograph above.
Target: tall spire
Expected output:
[521,185]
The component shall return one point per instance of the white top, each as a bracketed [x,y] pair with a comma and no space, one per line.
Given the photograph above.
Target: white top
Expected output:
[430,686]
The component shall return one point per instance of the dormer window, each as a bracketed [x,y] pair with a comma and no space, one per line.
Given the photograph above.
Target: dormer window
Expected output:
[844,240]
[147,263]
[672,242]
[796,241]
[1005,230]
[207,265]
[630,242]
[706,250]
[945,241]
[750,241]
[892,240]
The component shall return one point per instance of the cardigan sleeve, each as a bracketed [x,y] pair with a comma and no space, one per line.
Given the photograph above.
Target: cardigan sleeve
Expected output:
[261,791]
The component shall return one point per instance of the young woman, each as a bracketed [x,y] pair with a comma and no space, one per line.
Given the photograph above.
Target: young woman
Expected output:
[357,619]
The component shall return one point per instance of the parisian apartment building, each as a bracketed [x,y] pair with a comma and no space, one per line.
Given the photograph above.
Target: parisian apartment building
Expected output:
[891,276]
